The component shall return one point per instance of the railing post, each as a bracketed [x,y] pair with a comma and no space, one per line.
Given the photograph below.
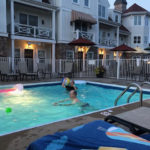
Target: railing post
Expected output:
[118,66]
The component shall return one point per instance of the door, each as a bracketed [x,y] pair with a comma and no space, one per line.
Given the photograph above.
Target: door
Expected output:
[28,55]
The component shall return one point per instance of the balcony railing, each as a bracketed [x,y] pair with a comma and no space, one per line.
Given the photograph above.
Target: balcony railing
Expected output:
[108,42]
[33,31]
[82,34]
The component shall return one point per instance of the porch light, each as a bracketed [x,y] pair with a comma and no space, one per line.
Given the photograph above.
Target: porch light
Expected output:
[115,54]
[101,52]
[83,49]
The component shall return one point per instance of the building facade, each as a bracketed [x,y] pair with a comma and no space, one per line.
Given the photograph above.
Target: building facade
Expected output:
[42,29]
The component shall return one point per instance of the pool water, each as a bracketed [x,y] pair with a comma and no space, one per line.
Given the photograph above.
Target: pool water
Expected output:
[35,106]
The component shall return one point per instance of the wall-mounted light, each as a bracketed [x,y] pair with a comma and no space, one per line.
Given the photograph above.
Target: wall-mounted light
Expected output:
[101,51]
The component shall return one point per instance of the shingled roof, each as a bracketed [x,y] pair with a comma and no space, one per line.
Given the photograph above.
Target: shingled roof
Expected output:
[135,8]
[123,28]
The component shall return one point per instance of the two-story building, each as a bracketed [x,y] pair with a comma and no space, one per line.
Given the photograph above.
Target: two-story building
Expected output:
[136,20]
[31,26]
[76,19]
[3,30]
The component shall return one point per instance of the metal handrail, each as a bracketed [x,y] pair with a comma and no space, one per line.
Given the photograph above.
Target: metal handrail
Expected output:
[128,100]
[138,88]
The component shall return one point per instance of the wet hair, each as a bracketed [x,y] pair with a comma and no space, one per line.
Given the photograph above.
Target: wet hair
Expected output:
[73,81]
[74,92]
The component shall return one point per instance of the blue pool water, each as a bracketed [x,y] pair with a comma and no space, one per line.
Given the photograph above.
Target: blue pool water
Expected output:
[35,106]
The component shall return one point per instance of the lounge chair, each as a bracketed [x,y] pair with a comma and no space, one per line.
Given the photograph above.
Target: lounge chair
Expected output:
[23,71]
[68,70]
[44,69]
[6,74]
[97,135]
[137,120]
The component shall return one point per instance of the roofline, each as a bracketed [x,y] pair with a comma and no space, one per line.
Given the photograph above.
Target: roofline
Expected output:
[136,13]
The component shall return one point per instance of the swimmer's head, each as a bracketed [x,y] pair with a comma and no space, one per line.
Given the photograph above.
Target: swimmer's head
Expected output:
[73,94]
[72,83]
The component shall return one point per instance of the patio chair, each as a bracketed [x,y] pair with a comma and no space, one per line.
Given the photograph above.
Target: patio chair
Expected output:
[68,70]
[136,72]
[23,71]
[6,74]
[137,120]
[92,136]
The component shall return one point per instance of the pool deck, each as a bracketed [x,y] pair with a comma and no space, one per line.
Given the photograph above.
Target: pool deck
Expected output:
[20,140]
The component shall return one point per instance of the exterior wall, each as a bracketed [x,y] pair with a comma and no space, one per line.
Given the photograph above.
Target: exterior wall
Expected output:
[4,47]
[64,27]
[113,14]
[136,30]
[3,26]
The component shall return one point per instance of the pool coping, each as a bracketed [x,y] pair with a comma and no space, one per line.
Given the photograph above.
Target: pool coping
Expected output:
[28,85]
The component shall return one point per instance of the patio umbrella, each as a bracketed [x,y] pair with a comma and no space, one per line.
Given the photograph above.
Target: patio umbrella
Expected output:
[82,45]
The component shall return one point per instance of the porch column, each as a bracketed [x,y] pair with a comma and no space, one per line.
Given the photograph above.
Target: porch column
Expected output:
[118,59]
[12,53]
[53,58]
[53,24]
[12,16]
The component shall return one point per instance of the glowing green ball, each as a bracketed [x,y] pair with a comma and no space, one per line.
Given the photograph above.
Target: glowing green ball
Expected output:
[8,110]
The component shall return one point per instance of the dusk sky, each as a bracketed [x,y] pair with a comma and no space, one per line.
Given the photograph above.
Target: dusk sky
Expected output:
[143,3]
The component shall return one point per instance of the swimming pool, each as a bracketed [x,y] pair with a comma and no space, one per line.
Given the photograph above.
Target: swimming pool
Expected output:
[35,106]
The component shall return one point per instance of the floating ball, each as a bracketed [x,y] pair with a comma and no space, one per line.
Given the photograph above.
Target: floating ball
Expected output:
[67,81]
[8,110]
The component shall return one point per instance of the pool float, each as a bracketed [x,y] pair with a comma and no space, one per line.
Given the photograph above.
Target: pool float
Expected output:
[17,87]
[66,81]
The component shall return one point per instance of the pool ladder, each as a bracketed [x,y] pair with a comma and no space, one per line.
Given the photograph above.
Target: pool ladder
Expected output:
[138,89]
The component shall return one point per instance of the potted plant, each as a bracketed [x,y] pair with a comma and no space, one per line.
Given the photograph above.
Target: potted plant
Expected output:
[100,71]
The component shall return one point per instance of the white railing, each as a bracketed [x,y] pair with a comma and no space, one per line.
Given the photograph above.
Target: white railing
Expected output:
[33,31]
[108,42]
[82,34]
[129,69]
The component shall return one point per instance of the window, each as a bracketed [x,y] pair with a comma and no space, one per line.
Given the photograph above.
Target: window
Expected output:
[41,56]
[137,20]
[23,19]
[101,11]
[17,53]
[76,1]
[81,26]
[69,54]
[145,40]
[116,18]
[33,20]
[28,19]
[137,39]
[86,3]
[146,21]
[90,55]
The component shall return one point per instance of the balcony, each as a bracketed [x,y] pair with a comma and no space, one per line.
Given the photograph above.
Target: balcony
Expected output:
[33,31]
[108,42]
[82,34]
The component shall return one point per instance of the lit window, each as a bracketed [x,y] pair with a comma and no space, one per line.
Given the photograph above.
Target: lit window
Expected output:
[137,20]
[69,54]
[86,3]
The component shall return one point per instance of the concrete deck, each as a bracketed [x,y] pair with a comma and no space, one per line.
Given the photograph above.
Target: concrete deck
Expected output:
[20,140]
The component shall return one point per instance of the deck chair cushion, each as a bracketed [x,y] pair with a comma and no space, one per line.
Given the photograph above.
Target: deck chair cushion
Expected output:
[94,135]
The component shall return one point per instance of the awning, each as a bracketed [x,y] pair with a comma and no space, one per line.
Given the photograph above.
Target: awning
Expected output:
[80,16]
[82,42]
[123,48]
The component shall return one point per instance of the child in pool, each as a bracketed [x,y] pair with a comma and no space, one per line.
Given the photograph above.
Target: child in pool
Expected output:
[71,86]
[74,100]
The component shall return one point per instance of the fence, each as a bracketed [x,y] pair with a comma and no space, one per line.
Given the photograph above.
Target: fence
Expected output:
[129,69]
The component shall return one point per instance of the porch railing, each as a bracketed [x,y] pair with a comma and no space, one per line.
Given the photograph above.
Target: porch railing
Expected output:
[82,34]
[129,69]
[33,31]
